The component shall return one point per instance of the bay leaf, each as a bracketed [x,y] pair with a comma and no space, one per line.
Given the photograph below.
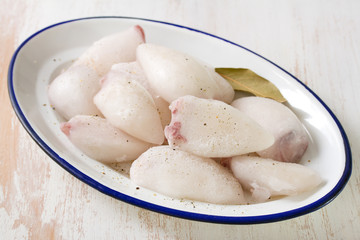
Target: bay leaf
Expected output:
[244,79]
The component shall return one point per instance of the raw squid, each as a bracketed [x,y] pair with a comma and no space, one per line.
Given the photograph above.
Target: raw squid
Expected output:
[112,49]
[98,139]
[137,73]
[71,93]
[267,177]
[291,139]
[179,174]
[126,104]
[212,128]
[173,74]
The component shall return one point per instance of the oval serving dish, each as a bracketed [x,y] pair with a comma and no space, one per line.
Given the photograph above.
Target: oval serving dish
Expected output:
[43,55]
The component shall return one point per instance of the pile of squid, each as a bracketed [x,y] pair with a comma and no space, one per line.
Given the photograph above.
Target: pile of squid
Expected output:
[177,121]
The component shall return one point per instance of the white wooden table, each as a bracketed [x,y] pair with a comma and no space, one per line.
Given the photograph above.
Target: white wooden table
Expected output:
[317,41]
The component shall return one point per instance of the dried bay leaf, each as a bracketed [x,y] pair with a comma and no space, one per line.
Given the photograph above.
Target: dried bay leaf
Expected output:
[244,79]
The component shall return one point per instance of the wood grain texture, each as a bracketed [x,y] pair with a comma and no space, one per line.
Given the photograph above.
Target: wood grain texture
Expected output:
[317,41]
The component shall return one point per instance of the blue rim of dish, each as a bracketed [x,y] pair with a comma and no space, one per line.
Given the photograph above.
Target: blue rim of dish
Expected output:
[165,210]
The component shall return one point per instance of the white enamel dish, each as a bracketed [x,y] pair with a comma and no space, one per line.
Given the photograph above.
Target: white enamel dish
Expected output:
[44,54]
